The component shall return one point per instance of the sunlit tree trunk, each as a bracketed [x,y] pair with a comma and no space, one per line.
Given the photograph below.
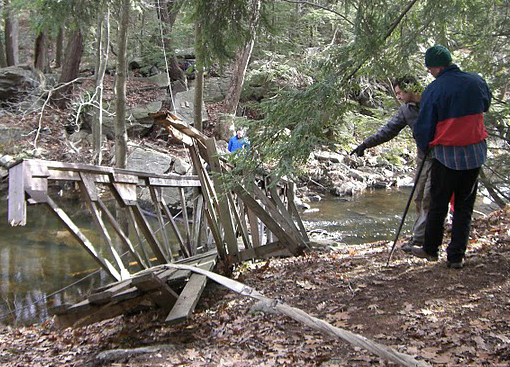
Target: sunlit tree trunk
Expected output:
[120,88]
[103,39]
[11,36]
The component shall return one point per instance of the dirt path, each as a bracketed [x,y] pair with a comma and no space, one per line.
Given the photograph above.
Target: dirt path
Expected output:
[448,317]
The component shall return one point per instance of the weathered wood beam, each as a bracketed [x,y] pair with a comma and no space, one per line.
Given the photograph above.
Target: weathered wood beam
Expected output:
[271,249]
[17,215]
[150,236]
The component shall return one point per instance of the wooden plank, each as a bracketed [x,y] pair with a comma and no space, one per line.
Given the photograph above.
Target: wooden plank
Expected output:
[198,215]
[294,211]
[126,192]
[241,224]
[106,295]
[290,229]
[224,211]
[156,199]
[254,228]
[85,185]
[17,205]
[109,311]
[271,249]
[80,237]
[189,296]
[172,182]
[124,238]
[132,218]
[173,225]
[127,294]
[285,213]
[271,223]
[186,218]
[210,210]
[149,234]
[164,298]
[125,178]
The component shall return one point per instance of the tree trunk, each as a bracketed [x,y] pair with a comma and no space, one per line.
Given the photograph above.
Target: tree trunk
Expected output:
[59,47]
[3,60]
[168,12]
[103,39]
[41,52]
[11,36]
[70,68]
[120,88]
[241,64]
[199,78]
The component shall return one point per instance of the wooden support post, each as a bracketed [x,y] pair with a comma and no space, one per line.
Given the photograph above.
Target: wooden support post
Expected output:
[225,214]
[132,218]
[17,204]
[254,227]
[185,217]
[241,224]
[210,203]
[294,211]
[156,199]
[80,237]
[149,234]
[197,223]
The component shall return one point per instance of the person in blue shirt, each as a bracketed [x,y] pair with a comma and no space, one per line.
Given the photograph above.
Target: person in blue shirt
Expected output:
[450,127]
[237,142]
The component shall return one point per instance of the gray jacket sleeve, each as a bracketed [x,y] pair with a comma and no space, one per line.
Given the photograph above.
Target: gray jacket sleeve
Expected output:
[390,130]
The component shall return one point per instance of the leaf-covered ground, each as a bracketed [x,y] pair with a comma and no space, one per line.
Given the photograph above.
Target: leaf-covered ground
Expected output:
[448,317]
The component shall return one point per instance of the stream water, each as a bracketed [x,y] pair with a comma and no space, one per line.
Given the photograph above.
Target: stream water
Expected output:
[42,258]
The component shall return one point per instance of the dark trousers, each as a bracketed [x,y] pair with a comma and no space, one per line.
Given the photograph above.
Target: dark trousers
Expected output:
[444,183]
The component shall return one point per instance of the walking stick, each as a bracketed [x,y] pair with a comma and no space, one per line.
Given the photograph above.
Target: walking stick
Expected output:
[407,208]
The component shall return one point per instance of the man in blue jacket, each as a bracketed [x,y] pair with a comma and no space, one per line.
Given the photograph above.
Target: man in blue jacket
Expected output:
[451,128]
[237,142]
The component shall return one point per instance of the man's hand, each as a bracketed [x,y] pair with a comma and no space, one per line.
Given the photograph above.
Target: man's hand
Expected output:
[359,150]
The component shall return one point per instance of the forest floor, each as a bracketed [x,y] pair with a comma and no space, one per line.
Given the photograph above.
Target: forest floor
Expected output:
[446,317]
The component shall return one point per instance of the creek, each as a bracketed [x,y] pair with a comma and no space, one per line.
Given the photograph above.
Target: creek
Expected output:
[42,258]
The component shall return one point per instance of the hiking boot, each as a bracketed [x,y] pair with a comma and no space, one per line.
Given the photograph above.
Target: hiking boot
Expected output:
[420,252]
[406,247]
[456,265]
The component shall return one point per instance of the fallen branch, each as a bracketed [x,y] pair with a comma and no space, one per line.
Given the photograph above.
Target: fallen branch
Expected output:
[380,350]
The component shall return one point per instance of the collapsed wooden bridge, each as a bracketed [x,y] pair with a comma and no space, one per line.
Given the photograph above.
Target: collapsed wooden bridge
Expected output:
[211,226]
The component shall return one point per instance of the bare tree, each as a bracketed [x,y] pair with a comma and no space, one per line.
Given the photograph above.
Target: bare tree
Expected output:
[241,63]
[59,46]
[120,87]
[103,40]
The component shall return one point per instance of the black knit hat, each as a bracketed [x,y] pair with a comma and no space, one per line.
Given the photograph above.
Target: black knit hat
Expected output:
[438,55]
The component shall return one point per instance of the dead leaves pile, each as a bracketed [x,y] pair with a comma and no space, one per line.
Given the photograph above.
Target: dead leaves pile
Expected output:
[447,317]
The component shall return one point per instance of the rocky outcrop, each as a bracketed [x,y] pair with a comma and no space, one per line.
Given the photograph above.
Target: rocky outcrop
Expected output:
[343,175]
[17,81]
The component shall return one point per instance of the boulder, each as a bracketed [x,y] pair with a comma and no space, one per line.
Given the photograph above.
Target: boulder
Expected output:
[185,107]
[17,81]
[10,134]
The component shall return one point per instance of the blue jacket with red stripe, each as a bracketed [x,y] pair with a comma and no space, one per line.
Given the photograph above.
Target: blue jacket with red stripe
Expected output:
[452,108]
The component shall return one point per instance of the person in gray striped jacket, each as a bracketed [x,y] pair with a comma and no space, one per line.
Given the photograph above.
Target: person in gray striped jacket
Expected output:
[408,90]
